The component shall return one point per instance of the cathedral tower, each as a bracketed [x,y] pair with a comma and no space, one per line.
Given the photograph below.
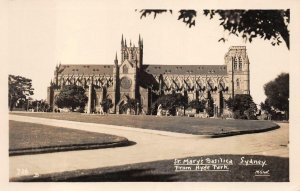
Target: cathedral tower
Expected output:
[132,53]
[238,69]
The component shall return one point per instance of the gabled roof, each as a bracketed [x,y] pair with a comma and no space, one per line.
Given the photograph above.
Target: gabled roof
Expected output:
[127,62]
[86,69]
[186,69]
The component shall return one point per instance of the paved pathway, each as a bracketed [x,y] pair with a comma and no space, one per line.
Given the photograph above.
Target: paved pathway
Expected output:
[151,146]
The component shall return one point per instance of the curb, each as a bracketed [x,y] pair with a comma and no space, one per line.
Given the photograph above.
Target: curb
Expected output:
[233,133]
[29,151]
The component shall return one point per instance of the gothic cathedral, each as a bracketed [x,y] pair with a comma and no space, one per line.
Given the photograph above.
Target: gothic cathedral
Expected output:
[129,78]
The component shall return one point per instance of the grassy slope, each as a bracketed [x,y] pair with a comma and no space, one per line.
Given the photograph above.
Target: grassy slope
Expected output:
[164,171]
[175,124]
[29,136]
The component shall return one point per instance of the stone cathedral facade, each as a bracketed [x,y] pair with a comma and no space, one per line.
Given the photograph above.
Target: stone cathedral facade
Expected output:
[129,77]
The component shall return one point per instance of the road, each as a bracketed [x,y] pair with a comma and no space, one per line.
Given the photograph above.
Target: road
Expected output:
[150,146]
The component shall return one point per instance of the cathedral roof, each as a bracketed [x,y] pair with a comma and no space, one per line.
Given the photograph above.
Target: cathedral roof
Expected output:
[186,69]
[151,69]
[86,69]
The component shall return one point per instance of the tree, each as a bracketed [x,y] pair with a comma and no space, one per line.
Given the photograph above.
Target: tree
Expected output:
[131,104]
[266,106]
[19,88]
[277,92]
[39,105]
[210,109]
[270,25]
[106,104]
[198,105]
[21,104]
[243,106]
[71,96]
[170,102]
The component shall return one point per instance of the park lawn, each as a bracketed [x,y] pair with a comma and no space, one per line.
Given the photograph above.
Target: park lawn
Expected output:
[164,171]
[189,125]
[30,138]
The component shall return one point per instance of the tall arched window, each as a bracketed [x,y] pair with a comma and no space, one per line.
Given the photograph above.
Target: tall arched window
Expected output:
[238,83]
[240,63]
[235,63]
[125,55]
[125,69]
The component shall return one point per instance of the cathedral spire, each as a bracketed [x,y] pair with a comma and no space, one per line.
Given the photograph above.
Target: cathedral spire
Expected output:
[125,43]
[116,59]
[140,42]
[122,41]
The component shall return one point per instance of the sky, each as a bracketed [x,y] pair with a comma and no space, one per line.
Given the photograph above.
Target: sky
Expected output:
[42,34]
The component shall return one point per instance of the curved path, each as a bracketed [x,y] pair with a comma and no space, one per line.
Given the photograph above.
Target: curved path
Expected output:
[151,146]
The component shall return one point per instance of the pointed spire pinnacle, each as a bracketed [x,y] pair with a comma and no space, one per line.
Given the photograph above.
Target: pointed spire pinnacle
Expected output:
[116,60]
[125,43]
[122,41]
[140,42]
[130,42]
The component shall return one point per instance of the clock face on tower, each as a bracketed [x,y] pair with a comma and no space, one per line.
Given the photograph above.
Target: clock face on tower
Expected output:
[125,82]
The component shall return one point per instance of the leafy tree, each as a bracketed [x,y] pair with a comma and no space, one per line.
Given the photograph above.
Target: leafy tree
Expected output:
[39,105]
[198,105]
[71,96]
[210,105]
[277,92]
[106,104]
[271,112]
[270,25]
[266,106]
[131,104]
[243,106]
[170,102]
[22,104]
[19,88]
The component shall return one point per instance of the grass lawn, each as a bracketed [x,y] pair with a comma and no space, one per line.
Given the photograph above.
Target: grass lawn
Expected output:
[190,125]
[29,138]
[164,171]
